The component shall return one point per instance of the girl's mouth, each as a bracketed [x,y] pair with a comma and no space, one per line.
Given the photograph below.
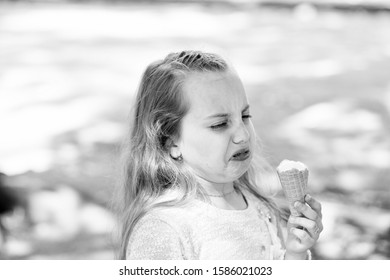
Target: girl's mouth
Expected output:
[241,155]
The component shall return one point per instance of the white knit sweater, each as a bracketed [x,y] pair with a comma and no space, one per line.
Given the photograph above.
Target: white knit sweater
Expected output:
[200,231]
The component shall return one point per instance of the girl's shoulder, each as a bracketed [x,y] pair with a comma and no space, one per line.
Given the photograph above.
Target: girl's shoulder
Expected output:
[177,218]
[158,235]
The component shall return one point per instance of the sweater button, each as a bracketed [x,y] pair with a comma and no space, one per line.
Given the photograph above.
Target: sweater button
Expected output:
[262,250]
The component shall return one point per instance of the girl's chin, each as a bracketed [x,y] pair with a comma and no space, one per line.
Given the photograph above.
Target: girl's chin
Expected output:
[229,177]
[239,167]
[229,174]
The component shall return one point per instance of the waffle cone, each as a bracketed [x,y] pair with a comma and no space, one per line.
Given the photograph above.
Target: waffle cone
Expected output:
[294,185]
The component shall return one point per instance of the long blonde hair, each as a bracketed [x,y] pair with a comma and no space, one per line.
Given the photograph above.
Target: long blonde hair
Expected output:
[148,169]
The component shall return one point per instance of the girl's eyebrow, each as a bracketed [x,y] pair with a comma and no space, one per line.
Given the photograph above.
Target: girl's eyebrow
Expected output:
[222,115]
[218,116]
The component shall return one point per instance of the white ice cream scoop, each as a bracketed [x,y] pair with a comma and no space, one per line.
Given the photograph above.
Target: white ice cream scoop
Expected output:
[293,177]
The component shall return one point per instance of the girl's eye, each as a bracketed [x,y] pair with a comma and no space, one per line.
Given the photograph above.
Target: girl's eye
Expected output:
[225,124]
[245,117]
[219,125]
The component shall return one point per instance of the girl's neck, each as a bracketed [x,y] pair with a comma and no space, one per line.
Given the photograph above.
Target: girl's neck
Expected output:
[216,189]
[224,196]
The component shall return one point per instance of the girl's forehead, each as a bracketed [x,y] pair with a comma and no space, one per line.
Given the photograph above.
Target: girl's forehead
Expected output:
[214,90]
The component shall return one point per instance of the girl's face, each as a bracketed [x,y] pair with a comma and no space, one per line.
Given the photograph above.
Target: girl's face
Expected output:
[217,134]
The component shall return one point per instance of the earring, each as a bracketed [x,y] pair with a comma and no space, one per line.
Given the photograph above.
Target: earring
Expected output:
[179,158]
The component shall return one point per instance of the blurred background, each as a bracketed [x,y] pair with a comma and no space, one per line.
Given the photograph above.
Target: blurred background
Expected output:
[317,74]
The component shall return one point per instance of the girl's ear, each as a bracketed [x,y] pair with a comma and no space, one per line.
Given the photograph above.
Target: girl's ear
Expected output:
[175,152]
[173,149]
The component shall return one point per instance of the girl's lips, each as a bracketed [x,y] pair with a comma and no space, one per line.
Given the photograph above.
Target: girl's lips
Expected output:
[241,155]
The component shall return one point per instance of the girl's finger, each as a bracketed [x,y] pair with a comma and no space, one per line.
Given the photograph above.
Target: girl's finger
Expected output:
[314,204]
[306,210]
[311,226]
[302,235]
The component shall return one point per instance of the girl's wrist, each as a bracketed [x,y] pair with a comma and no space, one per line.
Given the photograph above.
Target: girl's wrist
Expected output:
[298,256]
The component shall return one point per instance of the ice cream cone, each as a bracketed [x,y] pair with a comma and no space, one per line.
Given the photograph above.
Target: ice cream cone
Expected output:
[293,178]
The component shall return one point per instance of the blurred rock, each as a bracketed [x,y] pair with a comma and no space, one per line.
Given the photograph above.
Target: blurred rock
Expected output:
[54,213]
[305,12]
[95,219]
[352,232]
[102,132]
[360,250]
[15,248]
[331,249]
[352,179]
[61,213]
[383,244]
[339,117]
[377,257]
[387,95]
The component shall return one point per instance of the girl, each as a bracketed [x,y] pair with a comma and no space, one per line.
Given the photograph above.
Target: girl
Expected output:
[189,190]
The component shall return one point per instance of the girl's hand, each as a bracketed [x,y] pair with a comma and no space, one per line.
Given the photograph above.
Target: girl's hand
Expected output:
[304,231]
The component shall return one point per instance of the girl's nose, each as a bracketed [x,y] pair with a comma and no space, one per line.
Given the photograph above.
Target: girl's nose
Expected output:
[241,135]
